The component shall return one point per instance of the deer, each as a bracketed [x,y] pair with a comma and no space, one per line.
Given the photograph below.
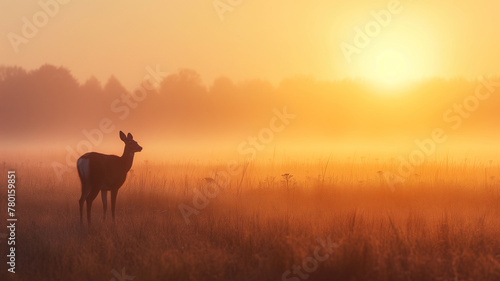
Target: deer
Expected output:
[101,172]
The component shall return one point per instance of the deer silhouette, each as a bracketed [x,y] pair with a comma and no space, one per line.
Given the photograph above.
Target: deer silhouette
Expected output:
[100,172]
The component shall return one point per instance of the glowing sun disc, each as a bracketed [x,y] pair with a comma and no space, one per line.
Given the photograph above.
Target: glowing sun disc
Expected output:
[392,67]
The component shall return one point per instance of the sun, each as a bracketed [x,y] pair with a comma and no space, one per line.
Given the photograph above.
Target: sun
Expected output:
[401,55]
[391,67]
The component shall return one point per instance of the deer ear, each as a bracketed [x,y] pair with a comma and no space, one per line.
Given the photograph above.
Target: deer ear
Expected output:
[122,136]
[129,136]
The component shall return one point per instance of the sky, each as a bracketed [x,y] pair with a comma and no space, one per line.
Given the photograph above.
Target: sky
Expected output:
[242,39]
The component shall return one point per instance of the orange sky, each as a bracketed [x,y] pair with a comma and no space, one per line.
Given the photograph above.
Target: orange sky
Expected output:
[257,39]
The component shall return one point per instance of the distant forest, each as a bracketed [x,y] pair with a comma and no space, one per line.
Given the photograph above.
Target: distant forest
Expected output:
[49,102]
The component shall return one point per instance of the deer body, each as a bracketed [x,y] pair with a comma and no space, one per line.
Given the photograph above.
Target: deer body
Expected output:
[100,173]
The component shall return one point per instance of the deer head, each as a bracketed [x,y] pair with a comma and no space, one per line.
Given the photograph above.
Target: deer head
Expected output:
[130,144]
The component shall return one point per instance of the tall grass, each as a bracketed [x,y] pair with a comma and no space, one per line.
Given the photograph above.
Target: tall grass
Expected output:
[443,223]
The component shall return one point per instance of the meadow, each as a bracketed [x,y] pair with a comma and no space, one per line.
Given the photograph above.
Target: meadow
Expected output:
[442,223]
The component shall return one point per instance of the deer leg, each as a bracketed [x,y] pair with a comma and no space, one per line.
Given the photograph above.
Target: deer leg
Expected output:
[85,193]
[90,198]
[113,202]
[104,195]
[82,199]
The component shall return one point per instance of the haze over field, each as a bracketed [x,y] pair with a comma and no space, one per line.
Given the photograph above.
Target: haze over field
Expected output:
[47,108]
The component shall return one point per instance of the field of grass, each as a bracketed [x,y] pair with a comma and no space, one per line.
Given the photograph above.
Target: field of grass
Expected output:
[443,223]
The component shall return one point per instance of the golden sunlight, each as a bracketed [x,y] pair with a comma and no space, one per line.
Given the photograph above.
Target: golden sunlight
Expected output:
[392,67]
[250,140]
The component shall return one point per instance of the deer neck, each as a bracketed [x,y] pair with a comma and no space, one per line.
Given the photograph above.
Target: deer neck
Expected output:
[127,158]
